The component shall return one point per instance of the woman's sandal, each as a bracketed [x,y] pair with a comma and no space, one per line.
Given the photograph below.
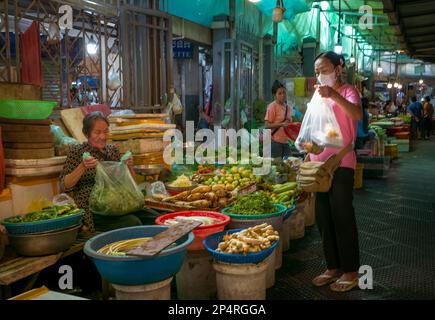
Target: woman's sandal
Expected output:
[348,285]
[327,280]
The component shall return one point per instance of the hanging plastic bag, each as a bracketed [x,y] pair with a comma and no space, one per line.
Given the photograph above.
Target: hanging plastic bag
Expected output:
[319,127]
[177,107]
[115,192]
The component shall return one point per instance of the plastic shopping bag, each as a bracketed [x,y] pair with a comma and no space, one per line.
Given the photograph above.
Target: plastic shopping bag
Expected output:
[115,192]
[319,127]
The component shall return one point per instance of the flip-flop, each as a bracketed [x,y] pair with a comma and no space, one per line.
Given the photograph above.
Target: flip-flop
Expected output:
[328,279]
[349,285]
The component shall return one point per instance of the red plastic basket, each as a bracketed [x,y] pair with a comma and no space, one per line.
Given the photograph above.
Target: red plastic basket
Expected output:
[200,232]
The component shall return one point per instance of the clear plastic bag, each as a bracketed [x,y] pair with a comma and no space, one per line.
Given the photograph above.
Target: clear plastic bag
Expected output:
[319,127]
[115,192]
[62,200]
[61,141]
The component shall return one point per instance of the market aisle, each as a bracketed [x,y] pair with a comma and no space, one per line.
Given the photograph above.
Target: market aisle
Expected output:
[396,221]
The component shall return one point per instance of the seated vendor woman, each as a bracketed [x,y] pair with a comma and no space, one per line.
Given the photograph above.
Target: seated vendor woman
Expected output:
[78,174]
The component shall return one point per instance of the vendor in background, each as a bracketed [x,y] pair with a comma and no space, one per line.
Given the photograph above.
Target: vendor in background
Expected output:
[335,213]
[78,175]
[278,116]
[416,111]
[363,126]
[428,112]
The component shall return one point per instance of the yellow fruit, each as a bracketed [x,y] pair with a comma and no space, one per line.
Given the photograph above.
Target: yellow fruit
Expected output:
[234,170]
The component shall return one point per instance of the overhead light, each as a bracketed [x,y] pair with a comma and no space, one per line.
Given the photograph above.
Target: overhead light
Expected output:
[338,49]
[352,59]
[421,81]
[91,47]
[380,69]
[254,1]
[324,5]
[400,87]
[395,85]
[389,85]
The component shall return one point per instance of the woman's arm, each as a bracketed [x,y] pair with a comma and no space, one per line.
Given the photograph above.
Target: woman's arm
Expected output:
[270,125]
[71,179]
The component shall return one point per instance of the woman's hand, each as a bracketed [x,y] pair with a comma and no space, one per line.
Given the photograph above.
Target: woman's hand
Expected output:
[129,162]
[325,91]
[90,163]
[286,123]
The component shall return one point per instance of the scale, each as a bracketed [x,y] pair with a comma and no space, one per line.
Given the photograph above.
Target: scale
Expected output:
[150,172]
[163,239]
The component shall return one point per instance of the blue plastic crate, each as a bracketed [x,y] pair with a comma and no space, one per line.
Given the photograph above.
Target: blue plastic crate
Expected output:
[211,243]
[44,225]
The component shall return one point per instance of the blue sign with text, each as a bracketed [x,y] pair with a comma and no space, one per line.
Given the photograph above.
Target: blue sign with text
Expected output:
[182,49]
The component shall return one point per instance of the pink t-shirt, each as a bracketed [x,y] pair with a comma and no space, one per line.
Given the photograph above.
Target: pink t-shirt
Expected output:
[275,114]
[348,128]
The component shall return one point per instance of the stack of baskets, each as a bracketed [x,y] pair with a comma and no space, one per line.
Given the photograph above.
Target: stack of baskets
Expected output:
[44,237]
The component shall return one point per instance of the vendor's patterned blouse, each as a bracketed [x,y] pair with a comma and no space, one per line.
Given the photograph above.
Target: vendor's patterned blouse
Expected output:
[82,190]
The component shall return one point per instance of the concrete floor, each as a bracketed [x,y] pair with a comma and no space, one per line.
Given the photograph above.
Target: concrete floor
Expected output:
[396,223]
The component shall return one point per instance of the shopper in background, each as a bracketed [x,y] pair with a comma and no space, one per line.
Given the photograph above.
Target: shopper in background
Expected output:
[416,111]
[428,112]
[278,116]
[335,213]
[363,126]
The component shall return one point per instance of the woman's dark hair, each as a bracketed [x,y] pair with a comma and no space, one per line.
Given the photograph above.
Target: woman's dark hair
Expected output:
[276,86]
[427,98]
[365,102]
[414,99]
[89,121]
[335,58]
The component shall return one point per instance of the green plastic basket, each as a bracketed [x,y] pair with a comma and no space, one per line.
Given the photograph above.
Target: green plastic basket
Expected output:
[26,109]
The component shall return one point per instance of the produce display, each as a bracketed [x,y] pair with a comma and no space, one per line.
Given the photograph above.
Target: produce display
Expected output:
[253,204]
[249,240]
[120,248]
[181,181]
[284,194]
[233,177]
[206,168]
[48,213]
[206,221]
[215,196]
[380,132]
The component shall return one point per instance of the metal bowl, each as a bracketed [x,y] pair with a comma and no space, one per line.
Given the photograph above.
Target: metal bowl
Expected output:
[43,244]
[148,170]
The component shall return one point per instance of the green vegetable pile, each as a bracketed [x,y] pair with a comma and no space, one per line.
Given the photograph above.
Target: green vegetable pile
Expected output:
[45,214]
[381,132]
[253,204]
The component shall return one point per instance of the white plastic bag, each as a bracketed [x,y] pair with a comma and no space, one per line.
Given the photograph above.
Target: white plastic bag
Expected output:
[177,107]
[319,127]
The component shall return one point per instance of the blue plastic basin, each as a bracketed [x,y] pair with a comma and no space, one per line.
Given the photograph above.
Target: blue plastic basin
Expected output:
[211,244]
[132,271]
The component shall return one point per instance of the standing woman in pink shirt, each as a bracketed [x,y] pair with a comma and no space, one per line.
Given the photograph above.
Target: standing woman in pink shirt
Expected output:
[335,213]
[278,116]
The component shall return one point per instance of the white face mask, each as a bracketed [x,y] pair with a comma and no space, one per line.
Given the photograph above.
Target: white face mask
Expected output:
[327,79]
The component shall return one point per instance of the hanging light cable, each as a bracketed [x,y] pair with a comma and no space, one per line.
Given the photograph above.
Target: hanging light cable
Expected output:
[389,85]
[338,47]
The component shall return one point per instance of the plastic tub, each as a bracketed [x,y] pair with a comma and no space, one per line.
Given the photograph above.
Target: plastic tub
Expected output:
[60,223]
[245,221]
[211,243]
[26,109]
[132,271]
[200,232]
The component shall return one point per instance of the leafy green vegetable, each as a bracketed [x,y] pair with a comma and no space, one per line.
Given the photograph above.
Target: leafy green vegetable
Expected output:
[253,204]
[45,214]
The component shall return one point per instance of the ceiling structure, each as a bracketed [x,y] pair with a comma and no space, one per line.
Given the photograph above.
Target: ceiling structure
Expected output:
[414,24]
